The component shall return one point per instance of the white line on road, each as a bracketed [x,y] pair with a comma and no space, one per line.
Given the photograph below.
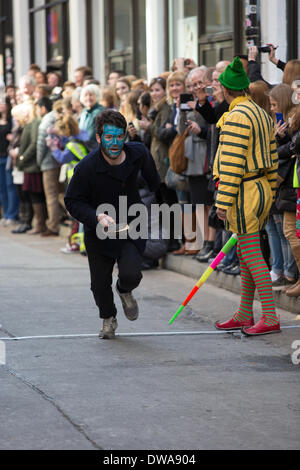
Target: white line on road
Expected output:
[124,335]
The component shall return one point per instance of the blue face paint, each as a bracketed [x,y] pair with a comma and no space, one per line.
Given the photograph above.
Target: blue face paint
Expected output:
[112,141]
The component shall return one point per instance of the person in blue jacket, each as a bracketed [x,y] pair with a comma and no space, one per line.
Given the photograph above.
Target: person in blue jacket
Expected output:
[102,177]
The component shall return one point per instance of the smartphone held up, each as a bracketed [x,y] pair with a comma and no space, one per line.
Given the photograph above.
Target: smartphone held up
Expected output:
[184,99]
[279,118]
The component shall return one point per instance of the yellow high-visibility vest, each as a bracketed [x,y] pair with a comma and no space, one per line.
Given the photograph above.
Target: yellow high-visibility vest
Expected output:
[79,151]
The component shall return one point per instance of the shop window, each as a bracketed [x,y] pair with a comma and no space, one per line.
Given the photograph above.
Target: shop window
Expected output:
[206,31]
[221,25]
[50,34]
[219,16]
[126,36]
[122,24]
[141,64]
[38,39]
[183,28]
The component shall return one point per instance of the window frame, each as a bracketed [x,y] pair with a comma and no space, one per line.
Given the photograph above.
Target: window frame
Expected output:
[48,4]
[206,40]
[237,35]
[129,53]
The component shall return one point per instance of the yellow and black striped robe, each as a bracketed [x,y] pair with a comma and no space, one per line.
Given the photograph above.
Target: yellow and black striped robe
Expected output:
[246,165]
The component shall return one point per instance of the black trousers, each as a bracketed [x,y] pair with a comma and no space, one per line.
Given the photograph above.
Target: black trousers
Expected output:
[101,270]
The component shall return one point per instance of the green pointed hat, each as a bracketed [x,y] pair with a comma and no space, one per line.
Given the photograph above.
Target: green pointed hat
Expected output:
[235,77]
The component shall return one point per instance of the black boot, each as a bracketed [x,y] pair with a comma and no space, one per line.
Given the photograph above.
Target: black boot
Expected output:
[26,218]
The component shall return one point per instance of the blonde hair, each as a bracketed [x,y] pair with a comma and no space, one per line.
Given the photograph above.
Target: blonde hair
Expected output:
[174,77]
[259,94]
[24,113]
[66,126]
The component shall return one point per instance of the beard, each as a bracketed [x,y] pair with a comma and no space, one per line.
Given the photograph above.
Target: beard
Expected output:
[112,157]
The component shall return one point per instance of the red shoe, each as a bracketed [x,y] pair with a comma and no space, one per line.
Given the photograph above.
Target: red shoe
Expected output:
[234,324]
[261,328]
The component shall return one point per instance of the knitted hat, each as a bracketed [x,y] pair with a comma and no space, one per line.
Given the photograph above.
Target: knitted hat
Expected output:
[235,77]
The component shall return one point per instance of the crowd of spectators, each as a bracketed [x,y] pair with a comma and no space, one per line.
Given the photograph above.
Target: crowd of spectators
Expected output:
[47,126]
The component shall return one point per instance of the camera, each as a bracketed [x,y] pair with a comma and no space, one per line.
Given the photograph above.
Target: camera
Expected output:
[209,90]
[265,49]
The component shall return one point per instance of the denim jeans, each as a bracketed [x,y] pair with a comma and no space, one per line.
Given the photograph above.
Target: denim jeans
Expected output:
[283,261]
[8,193]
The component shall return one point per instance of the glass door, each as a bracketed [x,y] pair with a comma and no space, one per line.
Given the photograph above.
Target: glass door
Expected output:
[49,34]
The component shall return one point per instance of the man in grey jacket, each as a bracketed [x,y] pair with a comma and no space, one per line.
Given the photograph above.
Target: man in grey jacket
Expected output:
[49,167]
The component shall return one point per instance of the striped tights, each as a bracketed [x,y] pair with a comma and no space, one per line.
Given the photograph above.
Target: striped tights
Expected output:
[254,274]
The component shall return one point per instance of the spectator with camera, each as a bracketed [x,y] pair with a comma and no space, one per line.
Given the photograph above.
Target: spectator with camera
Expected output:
[198,171]
[166,134]
[197,165]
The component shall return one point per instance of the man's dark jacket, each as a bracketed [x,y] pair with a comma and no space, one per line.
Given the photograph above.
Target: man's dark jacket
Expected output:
[95,182]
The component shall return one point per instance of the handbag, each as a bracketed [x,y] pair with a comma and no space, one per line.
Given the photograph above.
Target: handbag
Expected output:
[178,160]
[175,181]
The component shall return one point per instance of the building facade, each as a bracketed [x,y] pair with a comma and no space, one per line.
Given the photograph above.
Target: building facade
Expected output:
[141,37]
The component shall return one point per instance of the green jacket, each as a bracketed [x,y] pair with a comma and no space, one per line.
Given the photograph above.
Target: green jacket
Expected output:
[87,121]
[159,149]
[27,154]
